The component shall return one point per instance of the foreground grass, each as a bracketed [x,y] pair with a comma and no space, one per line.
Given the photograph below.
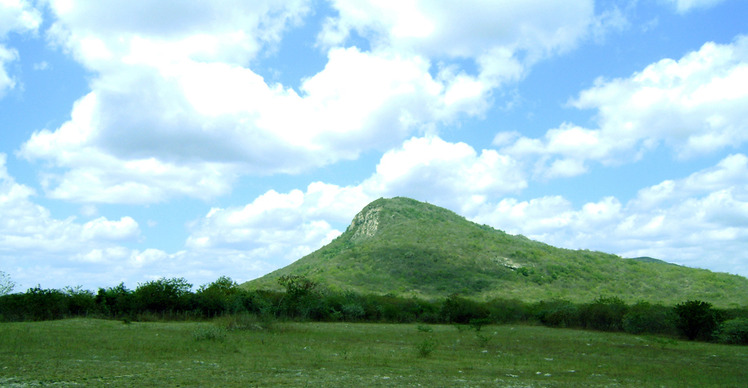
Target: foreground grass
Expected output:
[97,352]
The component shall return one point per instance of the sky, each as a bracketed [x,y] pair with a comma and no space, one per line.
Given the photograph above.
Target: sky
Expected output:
[143,139]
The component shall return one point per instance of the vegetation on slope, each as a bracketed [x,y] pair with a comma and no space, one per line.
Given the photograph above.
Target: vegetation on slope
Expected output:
[405,247]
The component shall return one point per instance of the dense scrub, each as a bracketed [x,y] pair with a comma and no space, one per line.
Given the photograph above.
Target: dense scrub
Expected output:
[173,299]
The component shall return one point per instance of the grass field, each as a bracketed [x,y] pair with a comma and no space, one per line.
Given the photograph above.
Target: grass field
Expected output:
[89,352]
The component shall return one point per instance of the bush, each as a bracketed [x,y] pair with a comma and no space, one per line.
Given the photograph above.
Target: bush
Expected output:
[644,317]
[220,297]
[507,310]
[45,304]
[6,284]
[163,295]
[603,314]
[460,310]
[209,333]
[733,331]
[426,347]
[115,301]
[80,301]
[352,312]
[557,313]
[301,299]
[696,319]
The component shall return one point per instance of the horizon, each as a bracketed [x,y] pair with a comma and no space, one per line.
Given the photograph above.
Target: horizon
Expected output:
[151,140]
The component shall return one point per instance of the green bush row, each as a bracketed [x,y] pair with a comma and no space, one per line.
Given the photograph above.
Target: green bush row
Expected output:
[170,299]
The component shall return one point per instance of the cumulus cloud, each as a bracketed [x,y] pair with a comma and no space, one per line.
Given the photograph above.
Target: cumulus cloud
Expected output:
[693,106]
[272,231]
[684,6]
[29,233]
[15,16]
[701,215]
[277,228]
[469,29]
[205,116]
[502,41]
[704,215]
[454,175]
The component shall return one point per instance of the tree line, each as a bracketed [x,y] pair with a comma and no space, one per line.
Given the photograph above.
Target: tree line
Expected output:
[173,299]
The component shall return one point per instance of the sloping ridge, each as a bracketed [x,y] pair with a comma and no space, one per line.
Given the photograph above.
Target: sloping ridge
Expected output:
[406,247]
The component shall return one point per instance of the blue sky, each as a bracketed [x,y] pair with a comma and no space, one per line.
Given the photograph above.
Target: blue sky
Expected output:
[147,139]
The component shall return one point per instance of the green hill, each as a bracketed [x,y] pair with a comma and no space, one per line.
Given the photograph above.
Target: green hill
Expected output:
[405,247]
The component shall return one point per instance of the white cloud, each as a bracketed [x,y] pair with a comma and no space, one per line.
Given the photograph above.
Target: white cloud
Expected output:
[449,174]
[467,29]
[15,16]
[32,238]
[502,40]
[684,6]
[229,31]
[103,229]
[277,228]
[19,16]
[204,116]
[6,81]
[693,105]
[690,221]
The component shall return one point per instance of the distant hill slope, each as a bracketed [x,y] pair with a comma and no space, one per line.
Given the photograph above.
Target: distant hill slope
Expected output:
[406,247]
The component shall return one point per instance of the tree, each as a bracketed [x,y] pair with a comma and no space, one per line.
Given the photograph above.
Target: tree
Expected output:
[301,299]
[644,317]
[460,310]
[296,286]
[223,284]
[115,301]
[604,314]
[696,319]
[6,284]
[217,297]
[163,295]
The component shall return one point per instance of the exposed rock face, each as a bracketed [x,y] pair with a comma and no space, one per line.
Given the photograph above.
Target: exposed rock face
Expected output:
[365,224]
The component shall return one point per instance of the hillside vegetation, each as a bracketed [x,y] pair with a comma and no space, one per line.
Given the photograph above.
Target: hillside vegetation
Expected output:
[405,247]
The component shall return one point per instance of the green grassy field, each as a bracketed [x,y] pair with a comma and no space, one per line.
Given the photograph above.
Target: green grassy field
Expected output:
[91,352]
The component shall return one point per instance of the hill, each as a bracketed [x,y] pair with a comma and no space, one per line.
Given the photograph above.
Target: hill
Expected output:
[406,247]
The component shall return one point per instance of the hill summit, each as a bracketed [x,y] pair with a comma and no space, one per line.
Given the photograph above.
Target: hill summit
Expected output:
[405,247]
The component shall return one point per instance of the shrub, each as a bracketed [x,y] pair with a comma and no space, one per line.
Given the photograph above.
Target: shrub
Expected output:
[733,331]
[392,308]
[696,319]
[507,310]
[478,324]
[460,310]
[43,304]
[426,347]
[424,329]
[603,314]
[115,301]
[644,317]
[80,301]
[218,297]
[163,295]
[482,340]
[301,299]
[6,284]
[209,333]
[557,313]
[353,312]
